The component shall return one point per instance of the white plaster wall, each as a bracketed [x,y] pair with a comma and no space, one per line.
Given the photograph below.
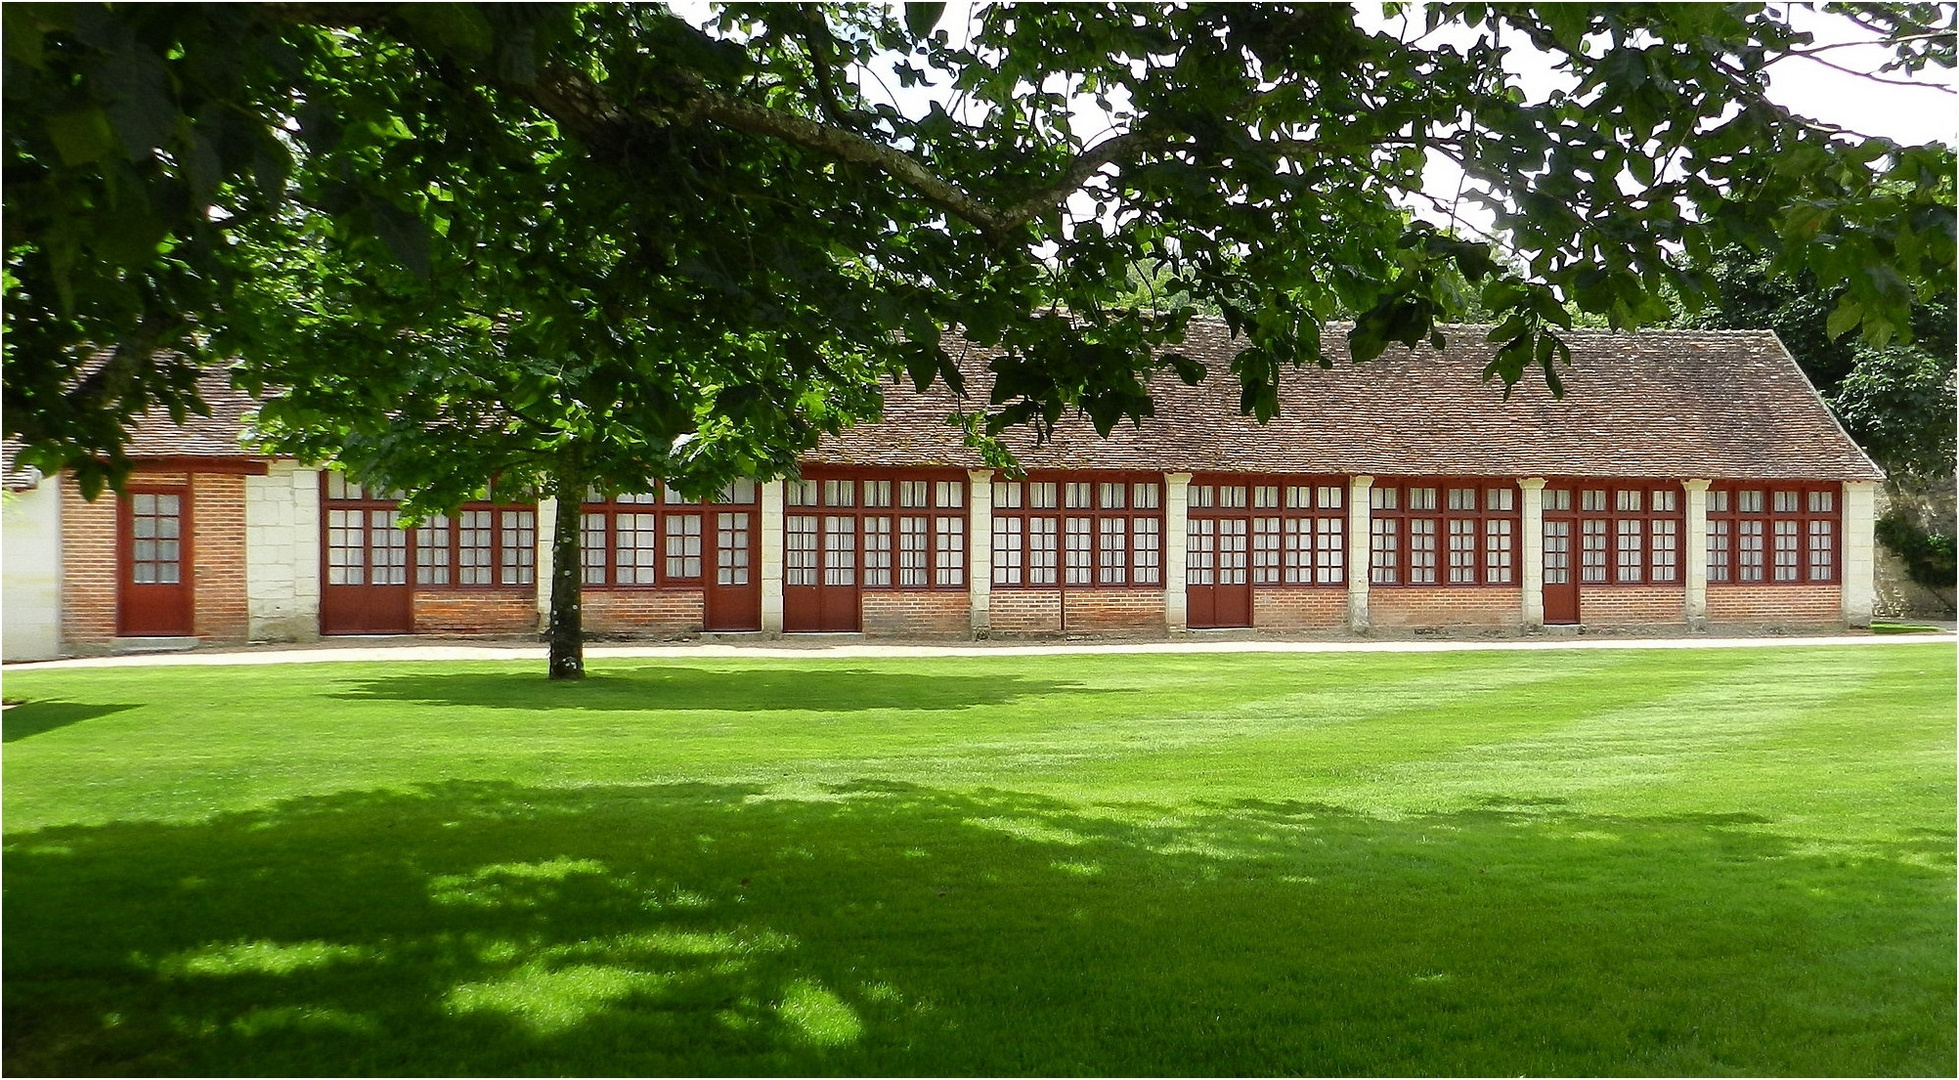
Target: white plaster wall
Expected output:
[282,553]
[979,546]
[1360,552]
[30,573]
[547,560]
[772,544]
[1176,551]
[1531,553]
[1859,551]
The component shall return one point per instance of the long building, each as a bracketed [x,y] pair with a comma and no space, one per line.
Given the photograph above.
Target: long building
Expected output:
[1686,479]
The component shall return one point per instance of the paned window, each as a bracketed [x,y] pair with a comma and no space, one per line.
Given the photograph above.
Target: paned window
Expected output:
[889,531]
[732,553]
[482,545]
[799,544]
[1384,551]
[1776,534]
[877,547]
[1094,531]
[648,539]
[1293,530]
[156,529]
[1628,530]
[1455,532]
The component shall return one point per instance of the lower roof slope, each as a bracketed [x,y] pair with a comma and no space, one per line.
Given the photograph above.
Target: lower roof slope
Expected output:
[1668,403]
[1675,404]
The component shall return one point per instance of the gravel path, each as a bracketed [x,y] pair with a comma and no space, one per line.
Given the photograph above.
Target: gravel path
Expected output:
[394,650]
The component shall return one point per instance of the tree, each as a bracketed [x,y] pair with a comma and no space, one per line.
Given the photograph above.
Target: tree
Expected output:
[1258,150]
[773,197]
[543,347]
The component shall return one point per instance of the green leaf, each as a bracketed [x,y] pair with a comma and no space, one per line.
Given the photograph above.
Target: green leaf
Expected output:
[81,136]
[1844,318]
[921,19]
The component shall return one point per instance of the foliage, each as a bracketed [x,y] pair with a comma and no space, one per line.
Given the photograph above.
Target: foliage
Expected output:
[1257,150]
[1678,862]
[1897,400]
[1929,555]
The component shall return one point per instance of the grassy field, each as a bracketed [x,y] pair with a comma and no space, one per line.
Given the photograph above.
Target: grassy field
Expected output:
[1600,861]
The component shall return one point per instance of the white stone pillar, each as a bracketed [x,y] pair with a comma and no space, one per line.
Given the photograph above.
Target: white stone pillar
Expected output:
[1859,551]
[1360,548]
[979,548]
[282,551]
[771,568]
[547,533]
[30,574]
[308,525]
[1695,557]
[1176,549]
[1530,549]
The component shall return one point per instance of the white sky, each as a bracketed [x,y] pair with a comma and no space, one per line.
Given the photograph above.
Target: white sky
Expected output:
[1926,112]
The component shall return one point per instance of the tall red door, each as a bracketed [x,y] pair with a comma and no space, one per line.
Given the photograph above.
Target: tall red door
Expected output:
[1560,576]
[365,588]
[820,584]
[733,588]
[1217,576]
[154,594]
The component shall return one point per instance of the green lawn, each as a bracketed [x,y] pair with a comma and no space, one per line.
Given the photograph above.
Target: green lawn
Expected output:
[1584,861]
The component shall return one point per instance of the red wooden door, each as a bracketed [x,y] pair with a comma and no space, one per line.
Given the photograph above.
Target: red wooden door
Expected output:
[154,594]
[365,587]
[733,588]
[1217,576]
[820,581]
[1560,576]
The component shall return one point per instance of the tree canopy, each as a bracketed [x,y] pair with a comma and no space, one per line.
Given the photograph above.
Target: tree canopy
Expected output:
[795,222]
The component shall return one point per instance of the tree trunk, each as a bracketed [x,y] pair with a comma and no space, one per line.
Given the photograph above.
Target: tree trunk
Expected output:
[567,582]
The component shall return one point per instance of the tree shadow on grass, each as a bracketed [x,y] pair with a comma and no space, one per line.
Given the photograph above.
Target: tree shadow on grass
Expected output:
[670,687]
[34,717]
[888,928]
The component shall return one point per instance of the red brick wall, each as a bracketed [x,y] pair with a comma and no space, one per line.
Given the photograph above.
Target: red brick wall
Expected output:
[475,611]
[1299,609]
[1807,605]
[917,614]
[644,612]
[88,564]
[1097,610]
[1420,607]
[1090,611]
[1632,605]
[1024,611]
[217,507]
[217,550]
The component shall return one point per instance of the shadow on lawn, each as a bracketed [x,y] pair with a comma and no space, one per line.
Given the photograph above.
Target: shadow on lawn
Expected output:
[34,717]
[662,686]
[488,928]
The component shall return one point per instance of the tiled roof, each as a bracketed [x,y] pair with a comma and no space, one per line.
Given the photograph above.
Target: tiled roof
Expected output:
[1679,404]
[215,436]
[12,476]
[155,436]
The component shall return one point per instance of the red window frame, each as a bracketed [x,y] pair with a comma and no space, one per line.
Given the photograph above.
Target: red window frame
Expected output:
[512,545]
[1494,511]
[1633,514]
[1020,521]
[1747,518]
[1286,547]
[667,509]
[880,497]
